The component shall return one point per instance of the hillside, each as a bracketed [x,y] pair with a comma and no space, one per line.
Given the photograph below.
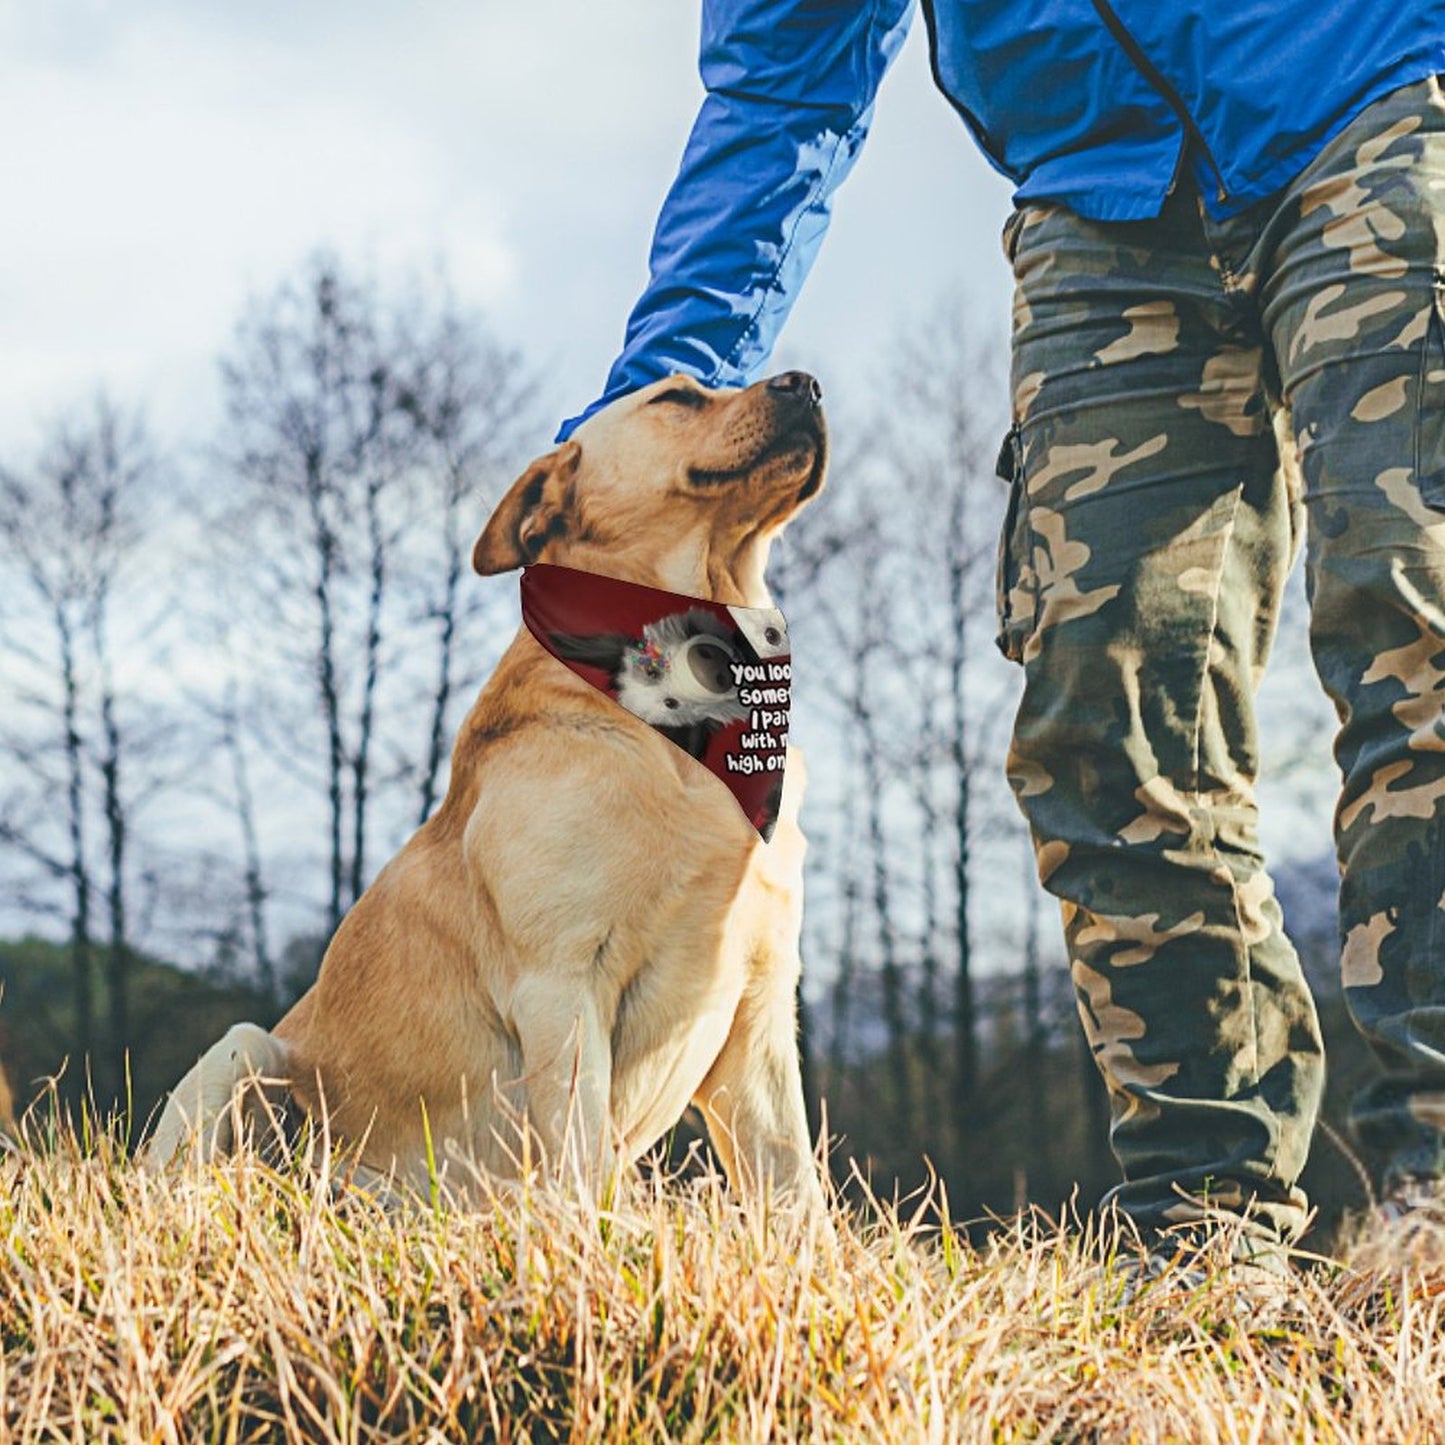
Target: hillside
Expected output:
[173,1017]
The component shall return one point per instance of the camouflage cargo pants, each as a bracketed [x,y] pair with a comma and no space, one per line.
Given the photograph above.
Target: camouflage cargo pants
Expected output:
[1150,534]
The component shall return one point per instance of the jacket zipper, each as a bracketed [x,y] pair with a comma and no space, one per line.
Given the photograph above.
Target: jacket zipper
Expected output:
[980,135]
[1155,77]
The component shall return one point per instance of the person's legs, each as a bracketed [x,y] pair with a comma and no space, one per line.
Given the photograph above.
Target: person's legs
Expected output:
[1354,303]
[1141,587]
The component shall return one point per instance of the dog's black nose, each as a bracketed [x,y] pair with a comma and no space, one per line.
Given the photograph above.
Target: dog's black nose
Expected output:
[797,384]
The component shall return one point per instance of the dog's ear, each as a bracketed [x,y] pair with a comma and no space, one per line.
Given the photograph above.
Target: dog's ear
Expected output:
[533,512]
[602,649]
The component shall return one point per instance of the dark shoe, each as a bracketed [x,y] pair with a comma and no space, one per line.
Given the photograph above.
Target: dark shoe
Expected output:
[1405,1229]
[1415,1201]
[1245,1278]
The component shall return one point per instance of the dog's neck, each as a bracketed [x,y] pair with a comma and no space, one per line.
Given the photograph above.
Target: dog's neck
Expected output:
[737,578]
[743,577]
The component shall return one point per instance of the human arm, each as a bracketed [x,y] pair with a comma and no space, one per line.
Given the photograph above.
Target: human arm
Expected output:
[790,89]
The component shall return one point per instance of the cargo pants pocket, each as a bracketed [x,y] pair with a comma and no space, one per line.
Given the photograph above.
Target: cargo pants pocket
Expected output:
[1015,585]
[1430,408]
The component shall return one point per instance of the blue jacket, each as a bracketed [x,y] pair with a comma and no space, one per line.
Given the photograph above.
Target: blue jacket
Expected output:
[1097,104]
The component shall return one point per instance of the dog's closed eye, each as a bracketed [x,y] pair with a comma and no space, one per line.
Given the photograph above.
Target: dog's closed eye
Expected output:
[680,396]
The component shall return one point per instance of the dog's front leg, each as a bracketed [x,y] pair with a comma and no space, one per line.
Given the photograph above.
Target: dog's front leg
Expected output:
[752,1099]
[567,1058]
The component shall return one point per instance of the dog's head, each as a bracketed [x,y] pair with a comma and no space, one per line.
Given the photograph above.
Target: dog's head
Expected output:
[675,486]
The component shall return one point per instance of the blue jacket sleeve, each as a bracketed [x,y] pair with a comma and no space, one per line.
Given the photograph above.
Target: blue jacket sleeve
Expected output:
[790,89]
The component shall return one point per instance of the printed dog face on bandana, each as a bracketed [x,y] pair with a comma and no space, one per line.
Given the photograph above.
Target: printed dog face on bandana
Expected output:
[714,679]
[679,673]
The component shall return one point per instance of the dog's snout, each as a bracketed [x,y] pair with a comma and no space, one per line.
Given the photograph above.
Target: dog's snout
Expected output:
[799,385]
[709,664]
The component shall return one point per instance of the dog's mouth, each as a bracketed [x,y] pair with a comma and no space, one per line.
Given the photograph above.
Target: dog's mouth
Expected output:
[814,481]
[775,441]
[804,443]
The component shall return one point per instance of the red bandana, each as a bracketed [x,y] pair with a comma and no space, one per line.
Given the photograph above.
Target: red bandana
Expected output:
[714,679]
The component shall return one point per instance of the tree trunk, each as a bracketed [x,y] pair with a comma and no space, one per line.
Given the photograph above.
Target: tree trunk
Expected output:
[895,1014]
[80,944]
[842,992]
[255,883]
[441,699]
[361,761]
[325,543]
[928,1008]
[965,1028]
[118,955]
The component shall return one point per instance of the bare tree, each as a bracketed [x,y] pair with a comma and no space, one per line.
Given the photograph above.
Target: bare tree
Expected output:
[930,837]
[940,441]
[366,435]
[845,964]
[472,401]
[118,461]
[864,711]
[903,604]
[256,892]
[70,526]
[309,397]
[1035,1032]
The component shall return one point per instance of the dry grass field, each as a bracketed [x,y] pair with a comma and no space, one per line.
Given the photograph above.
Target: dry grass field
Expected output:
[246,1303]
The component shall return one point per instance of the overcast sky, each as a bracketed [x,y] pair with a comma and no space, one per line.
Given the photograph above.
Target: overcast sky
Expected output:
[165,158]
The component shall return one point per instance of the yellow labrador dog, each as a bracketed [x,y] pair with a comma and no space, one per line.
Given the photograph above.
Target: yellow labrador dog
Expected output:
[589,934]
